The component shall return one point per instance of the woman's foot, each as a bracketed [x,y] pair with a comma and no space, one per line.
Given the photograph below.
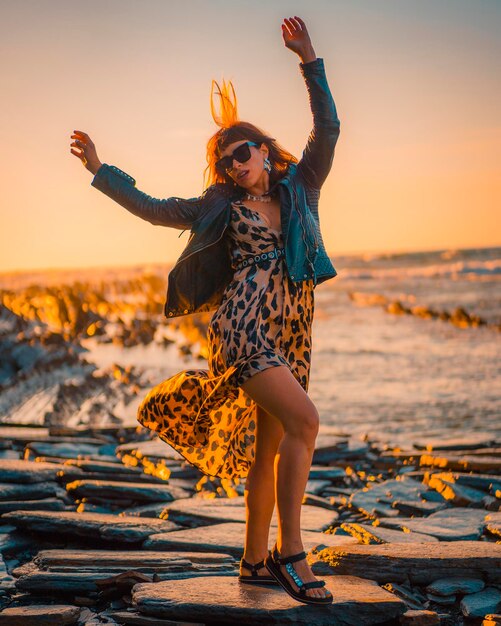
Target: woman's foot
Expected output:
[304,572]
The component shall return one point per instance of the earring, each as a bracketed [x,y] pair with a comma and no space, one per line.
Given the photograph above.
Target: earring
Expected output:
[267,165]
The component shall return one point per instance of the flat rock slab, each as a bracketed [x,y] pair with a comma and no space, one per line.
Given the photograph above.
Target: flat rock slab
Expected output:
[32,491]
[148,450]
[54,560]
[18,471]
[133,618]
[329,454]
[356,601]
[334,474]
[366,533]
[452,586]
[453,524]
[23,433]
[461,495]
[50,615]
[229,538]
[126,529]
[102,466]
[417,617]
[55,584]
[481,603]
[68,450]
[381,498]
[459,462]
[119,490]
[456,443]
[64,571]
[213,510]
[421,563]
[45,504]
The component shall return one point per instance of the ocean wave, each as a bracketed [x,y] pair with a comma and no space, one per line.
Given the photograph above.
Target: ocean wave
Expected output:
[472,270]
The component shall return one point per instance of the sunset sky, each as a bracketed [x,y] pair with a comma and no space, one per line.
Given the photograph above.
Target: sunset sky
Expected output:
[416,85]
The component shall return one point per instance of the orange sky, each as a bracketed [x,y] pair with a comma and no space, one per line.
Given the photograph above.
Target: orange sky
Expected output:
[416,85]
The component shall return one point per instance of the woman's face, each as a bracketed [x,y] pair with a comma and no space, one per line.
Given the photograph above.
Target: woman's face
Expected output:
[249,173]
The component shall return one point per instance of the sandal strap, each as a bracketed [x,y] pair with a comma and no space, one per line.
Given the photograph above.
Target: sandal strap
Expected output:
[312,585]
[251,567]
[291,559]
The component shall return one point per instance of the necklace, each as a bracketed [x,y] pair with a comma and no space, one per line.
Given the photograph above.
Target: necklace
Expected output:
[263,198]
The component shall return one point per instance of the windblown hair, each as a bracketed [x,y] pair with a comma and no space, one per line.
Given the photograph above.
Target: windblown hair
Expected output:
[232,129]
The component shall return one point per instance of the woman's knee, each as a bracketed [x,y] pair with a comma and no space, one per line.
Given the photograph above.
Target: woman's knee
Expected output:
[305,426]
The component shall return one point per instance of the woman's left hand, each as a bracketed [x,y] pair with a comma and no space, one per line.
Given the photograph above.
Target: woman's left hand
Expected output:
[296,37]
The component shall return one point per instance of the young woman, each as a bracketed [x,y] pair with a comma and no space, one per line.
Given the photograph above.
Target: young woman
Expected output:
[255,255]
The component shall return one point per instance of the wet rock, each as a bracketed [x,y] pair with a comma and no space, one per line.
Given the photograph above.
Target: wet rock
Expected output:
[116,490]
[457,443]
[45,504]
[459,462]
[481,603]
[55,584]
[151,450]
[34,491]
[111,467]
[133,618]
[369,534]
[66,476]
[442,600]
[228,538]
[410,599]
[333,474]
[448,586]
[494,528]
[25,472]
[101,525]
[199,511]
[313,500]
[414,617]
[62,450]
[420,563]
[489,483]
[356,601]
[454,524]
[41,615]
[141,560]
[457,494]
[413,508]
[343,451]
[316,487]
[381,498]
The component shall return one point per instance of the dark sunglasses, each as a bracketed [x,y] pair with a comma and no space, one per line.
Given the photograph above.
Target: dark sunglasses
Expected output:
[240,154]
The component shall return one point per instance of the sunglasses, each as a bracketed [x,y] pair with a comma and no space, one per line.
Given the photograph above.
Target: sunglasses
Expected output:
[240,154]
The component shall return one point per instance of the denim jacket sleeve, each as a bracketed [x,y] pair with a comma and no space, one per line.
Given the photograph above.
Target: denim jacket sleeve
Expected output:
[316,161]
[119,186]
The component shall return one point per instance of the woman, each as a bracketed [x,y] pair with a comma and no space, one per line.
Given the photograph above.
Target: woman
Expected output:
[248,414]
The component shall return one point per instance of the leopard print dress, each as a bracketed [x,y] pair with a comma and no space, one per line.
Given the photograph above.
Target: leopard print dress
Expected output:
[264,320]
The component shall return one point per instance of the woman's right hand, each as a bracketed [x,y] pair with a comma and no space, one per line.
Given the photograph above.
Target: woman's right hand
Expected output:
[87,154]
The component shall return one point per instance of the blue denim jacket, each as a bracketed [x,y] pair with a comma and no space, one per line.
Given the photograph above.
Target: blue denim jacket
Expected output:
[199,277]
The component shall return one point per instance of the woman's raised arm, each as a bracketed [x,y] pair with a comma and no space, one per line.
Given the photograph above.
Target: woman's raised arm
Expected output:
[316,161]
[173,212]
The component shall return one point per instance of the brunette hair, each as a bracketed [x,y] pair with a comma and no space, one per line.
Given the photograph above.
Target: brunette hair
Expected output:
[232,129]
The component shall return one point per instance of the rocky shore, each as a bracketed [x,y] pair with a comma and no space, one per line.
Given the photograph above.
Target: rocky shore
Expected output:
[104,525]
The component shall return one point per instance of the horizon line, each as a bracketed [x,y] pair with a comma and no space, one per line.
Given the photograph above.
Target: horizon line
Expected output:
[145,263]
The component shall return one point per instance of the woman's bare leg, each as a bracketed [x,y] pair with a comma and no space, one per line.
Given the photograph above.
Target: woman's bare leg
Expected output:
[280,394]
[260,489]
